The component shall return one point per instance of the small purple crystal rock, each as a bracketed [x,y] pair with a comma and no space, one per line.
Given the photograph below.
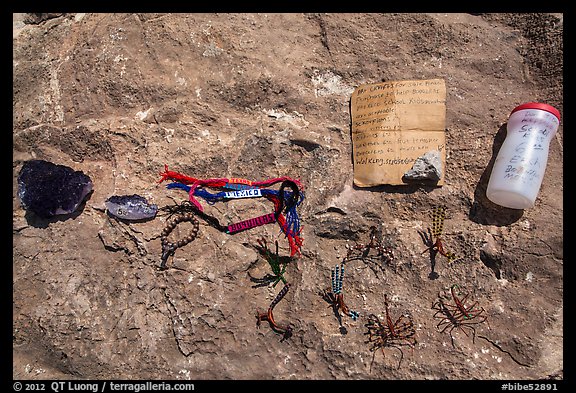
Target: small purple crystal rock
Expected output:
[49,189]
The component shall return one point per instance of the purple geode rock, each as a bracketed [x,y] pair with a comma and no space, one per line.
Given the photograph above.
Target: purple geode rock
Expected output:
[49,189]
[131,207]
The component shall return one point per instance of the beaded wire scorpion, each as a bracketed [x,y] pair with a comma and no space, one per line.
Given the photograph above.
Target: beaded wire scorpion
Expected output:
[336,297]
[277,263]
[269,316]
[434,243]
[457,315]
[384,254]
[390,334]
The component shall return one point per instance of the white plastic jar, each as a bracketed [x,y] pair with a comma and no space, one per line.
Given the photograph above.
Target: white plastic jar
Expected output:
[521,162]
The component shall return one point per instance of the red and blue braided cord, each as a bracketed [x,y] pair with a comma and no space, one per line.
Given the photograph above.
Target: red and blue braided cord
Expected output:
[290,224]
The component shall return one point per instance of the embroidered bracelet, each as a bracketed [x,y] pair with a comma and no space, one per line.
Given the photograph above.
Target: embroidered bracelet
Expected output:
[242,188]
[232,183]
[289,201]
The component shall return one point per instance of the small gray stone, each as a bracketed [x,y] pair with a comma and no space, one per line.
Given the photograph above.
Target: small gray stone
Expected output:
[426,167]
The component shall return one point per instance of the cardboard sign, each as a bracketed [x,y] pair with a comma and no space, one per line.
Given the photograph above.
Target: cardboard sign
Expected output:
[393,124]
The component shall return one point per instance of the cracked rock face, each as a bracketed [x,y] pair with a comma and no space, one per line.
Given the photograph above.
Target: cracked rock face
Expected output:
[259,96]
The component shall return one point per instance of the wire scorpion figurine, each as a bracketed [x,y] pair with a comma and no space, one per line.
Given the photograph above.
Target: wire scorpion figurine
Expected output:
[336,297]
[362,251]
[438,215]
[269,316]
[457,315]
[383,254]
[275,262]
[390,334]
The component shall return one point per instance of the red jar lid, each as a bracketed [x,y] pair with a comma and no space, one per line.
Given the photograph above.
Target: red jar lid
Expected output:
[538,105]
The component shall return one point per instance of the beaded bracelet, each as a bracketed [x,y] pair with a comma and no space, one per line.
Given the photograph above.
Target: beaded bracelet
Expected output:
[232,183]
[290,200]
[168,248]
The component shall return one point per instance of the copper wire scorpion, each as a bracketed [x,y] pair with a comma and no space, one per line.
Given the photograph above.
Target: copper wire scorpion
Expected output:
[457,315]
[390,334]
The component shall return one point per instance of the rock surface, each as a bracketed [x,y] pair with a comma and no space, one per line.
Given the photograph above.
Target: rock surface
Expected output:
[257,96]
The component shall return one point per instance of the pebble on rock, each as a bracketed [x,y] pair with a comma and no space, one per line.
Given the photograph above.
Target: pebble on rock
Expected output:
[426,167]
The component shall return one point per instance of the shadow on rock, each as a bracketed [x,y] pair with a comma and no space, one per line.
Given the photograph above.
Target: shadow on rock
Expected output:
[36,221]
[484,211]
[399,189]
